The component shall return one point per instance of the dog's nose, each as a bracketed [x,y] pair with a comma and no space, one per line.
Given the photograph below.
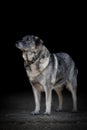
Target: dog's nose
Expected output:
[16,44]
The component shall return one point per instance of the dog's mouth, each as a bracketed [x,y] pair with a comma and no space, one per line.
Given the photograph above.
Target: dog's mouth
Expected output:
[18,44]
[21,46]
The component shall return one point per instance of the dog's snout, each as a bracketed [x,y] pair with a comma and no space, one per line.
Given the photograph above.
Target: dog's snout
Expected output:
[16,44]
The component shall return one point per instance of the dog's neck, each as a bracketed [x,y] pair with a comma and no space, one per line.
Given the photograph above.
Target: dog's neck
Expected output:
[37,64]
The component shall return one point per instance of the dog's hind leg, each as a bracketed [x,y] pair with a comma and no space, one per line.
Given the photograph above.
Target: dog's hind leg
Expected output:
[60,98]
[74,97]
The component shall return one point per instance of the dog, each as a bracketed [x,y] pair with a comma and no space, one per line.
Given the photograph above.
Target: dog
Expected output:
[48,71]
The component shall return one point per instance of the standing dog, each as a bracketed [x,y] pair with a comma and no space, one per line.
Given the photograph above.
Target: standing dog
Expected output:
[48,71]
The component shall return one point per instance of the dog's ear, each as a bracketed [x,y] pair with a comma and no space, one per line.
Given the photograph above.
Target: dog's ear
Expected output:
[38,41]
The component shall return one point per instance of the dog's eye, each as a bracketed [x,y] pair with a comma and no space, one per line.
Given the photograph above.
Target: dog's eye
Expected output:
[43,56]
[27,39]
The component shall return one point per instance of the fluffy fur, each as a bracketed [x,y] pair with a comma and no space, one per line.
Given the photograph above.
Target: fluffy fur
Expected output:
[48,71]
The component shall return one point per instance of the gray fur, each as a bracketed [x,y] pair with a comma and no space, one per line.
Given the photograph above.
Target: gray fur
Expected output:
[48,71]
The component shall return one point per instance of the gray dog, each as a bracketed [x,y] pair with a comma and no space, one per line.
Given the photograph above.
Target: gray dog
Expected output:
[48,71]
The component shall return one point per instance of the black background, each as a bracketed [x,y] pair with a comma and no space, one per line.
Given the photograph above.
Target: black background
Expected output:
[62,27]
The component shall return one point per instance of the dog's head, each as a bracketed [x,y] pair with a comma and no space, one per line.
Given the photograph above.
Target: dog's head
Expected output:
[29,43]
[34,50]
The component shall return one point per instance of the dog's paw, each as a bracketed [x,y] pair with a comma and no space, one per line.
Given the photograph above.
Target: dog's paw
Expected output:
[74,110]
[58,110]
[35,112]
[46,113]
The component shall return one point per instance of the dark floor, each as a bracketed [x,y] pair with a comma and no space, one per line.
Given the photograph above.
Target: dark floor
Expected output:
[15,114]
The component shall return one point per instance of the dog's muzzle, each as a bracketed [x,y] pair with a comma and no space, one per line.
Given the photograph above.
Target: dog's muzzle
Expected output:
[17,44]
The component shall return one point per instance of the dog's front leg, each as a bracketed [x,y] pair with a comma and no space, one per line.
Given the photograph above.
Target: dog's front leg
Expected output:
[37,96]
[48,95]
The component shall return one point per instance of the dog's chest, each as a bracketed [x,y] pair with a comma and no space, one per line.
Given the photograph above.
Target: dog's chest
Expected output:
[32,72]
[37,76]
[37,69]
